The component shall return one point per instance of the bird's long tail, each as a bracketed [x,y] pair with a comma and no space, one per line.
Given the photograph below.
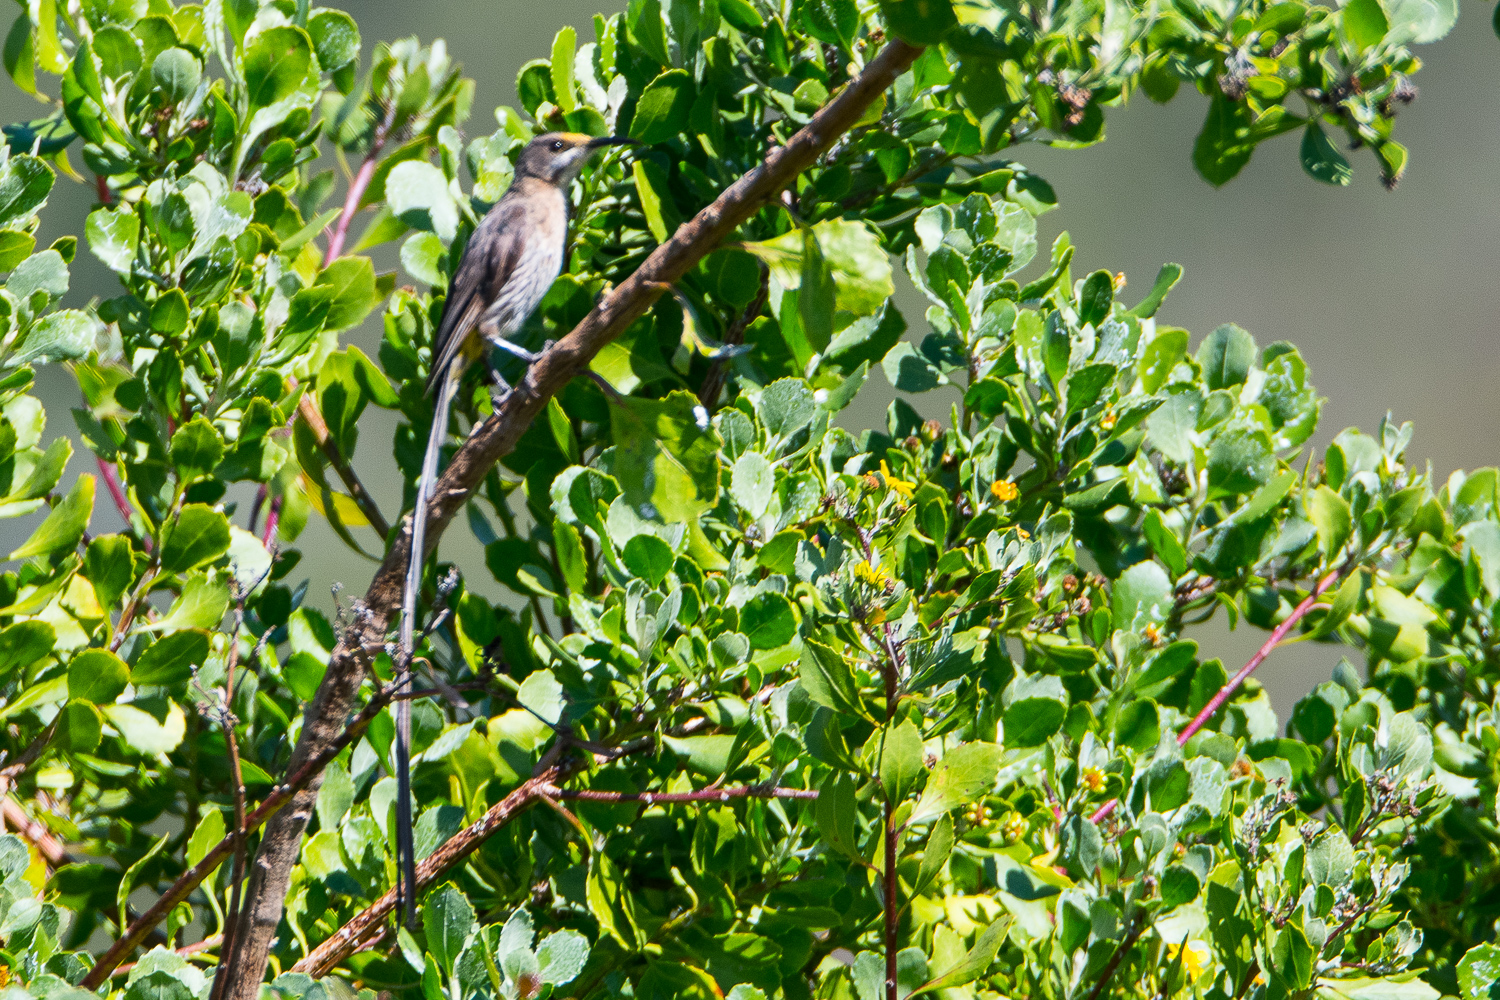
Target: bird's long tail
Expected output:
[406,876]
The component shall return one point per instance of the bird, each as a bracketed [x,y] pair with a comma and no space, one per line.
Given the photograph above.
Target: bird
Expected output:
[510,262]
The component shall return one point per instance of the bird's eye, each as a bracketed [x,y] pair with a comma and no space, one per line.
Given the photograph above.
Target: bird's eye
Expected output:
[557,145]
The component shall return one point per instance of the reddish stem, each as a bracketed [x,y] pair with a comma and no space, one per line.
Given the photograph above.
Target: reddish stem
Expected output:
[272,516]
[112,480]
[1233,684]
[351,206]
[357,188]
[702,795]
[102,186]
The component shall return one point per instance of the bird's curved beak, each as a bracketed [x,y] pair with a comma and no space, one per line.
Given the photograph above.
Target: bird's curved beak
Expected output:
[613,140]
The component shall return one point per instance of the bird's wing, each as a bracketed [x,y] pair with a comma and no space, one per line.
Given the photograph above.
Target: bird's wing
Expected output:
[486,265]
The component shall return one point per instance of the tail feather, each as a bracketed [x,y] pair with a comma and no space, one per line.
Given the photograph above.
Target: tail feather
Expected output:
[405,846]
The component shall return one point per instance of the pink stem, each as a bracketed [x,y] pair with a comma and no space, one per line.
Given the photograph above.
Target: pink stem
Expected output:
[357,188]
[112,480]
[351,207]
[1233,684]
[702,795]
[272,516]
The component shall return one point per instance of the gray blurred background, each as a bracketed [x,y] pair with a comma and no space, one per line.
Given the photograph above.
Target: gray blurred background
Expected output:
[1390,296]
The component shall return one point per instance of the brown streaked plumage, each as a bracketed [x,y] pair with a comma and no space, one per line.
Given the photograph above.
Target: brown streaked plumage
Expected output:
[513,257]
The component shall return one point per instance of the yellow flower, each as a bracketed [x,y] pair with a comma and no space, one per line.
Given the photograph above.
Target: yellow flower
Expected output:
[1119,280]
[1023,533]
[1196,957]
[871,575]
[1093,779]
[1109,419]
[1005,490]
[900,487]
[4,976]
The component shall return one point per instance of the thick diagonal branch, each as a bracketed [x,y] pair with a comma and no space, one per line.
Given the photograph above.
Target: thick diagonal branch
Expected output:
[570,357]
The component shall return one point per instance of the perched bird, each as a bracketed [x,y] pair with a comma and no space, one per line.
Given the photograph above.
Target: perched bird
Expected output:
[511,260]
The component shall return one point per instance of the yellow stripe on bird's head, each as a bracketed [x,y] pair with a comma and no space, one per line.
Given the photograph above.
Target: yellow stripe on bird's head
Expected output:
[557,157]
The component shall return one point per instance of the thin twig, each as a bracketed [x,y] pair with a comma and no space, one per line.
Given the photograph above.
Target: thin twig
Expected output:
[48,846]
[666,798]
[112,480]
[1137,925]
[358,186]
[330,449]
[713,382]
[1232,685]
[272,516]
[237,788]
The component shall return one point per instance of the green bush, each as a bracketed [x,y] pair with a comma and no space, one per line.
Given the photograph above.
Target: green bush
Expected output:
[777,707]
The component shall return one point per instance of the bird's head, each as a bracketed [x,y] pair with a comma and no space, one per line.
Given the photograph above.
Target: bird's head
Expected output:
[557,157]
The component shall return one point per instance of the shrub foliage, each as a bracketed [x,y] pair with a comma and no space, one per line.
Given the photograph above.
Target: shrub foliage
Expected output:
[771,705]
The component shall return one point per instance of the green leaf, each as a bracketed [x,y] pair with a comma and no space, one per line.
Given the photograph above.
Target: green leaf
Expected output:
[206,836]
[1226,355]
[352,280]
[15,247]
[975,963]
[335,39]
[561,956]
[564,46]
[201,604]
[426,259]
[649,558]
[1164,543]
[1095,298]
[900,760]
[114,235]
[171,660]
[662,110]
[769,620]
[143,733]
[23,644]
[1239,461]
[1365,25]
[1166,278]
[1331,516]
[1142,596]
[276,65]
[61,336]
[1320,158]
[64,527]
[708,755]
[79,727]
[752,483]
[25,182]
[417,193]
[920,22]
[964,774]
[826,678]
[97,676]
[1179,885]
[666,463]
[177,73]
[935,854]
[1479,972]
[909,371]
[196,449]
[448,920]
[1223,147]
[838,814]
[108,565]
[1030,722]
[199,535]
